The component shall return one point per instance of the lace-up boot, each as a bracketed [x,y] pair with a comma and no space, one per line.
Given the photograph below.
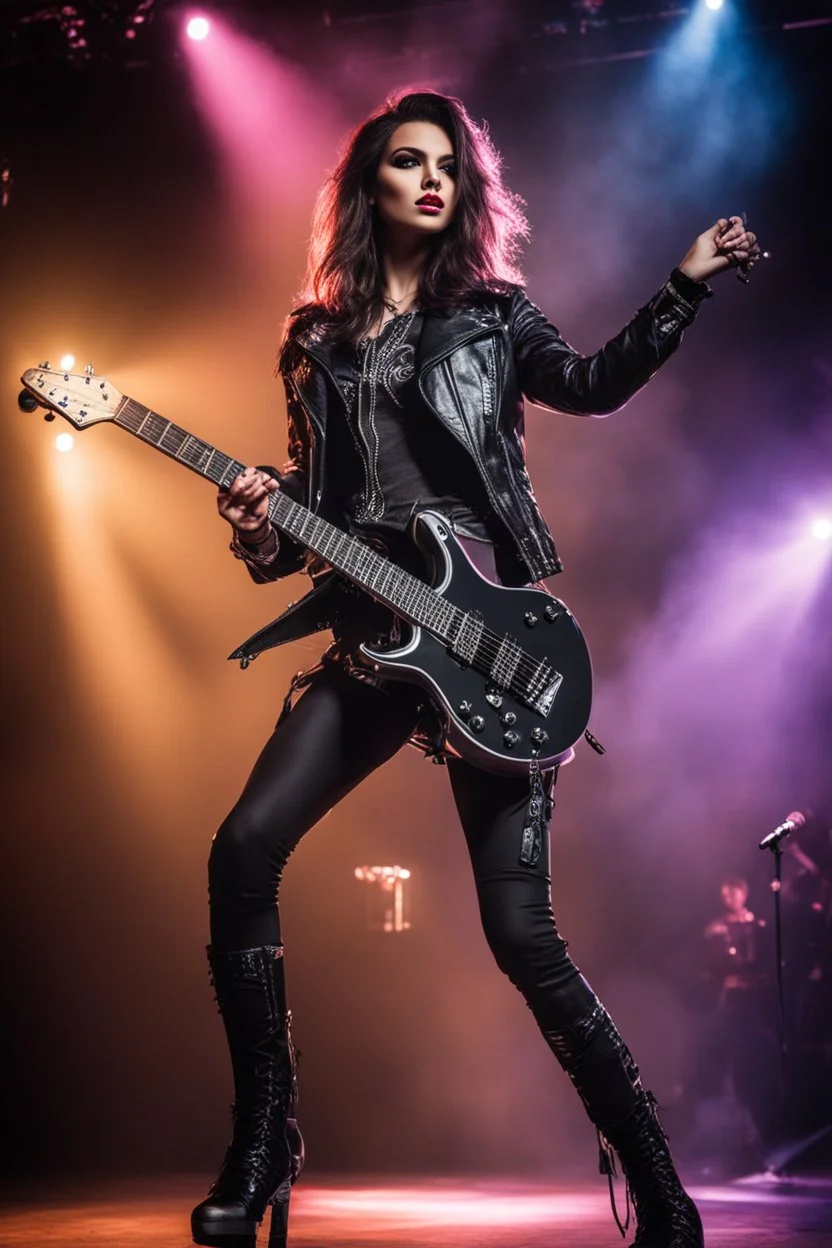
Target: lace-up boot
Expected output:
[265,1154]
[607,1080]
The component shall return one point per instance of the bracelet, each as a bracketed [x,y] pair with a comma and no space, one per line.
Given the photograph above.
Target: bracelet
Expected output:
[254,543]
[251,556]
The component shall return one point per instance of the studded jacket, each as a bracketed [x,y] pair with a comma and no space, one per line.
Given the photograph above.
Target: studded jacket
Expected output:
[475,366]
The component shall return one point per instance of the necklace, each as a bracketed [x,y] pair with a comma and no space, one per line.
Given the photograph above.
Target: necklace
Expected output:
[392,304]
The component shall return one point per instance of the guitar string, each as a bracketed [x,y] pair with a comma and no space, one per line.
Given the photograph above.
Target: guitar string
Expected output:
[189,449]
[422,595]
[489,644]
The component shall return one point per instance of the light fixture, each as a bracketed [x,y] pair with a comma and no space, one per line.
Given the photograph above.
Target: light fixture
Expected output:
[198,28]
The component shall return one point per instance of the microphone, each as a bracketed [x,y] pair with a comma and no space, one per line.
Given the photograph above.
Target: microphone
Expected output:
[790,824]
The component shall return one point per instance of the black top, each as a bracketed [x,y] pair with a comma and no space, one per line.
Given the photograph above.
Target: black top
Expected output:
[397,459]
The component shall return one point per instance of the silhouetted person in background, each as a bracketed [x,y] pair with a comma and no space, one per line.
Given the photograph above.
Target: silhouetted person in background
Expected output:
[733,961]
[737,1051]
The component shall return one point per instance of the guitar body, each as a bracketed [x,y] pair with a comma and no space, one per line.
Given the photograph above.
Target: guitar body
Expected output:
[486,724]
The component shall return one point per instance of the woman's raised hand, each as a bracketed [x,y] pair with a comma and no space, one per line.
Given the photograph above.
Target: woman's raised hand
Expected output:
[726,245]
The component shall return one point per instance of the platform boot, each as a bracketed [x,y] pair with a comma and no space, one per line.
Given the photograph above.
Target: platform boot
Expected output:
[265,1153]
[607,1080]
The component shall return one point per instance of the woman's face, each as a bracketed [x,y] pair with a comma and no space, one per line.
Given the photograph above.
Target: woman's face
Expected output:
[416,184]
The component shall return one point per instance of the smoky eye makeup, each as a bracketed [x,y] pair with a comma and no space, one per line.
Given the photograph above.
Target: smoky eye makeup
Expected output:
[400,158]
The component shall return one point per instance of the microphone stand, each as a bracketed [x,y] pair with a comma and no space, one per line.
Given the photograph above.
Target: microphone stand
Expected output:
[775,844]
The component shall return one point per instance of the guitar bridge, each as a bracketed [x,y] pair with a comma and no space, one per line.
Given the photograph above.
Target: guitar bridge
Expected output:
[543,702]
[540,692]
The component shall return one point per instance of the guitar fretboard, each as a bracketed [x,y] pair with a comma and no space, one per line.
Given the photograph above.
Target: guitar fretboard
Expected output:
[386,581]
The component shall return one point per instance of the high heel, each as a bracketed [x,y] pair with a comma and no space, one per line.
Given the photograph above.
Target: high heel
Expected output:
[279,1227]
[265,1154]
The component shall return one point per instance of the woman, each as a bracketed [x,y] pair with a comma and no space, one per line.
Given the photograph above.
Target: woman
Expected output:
[405,373]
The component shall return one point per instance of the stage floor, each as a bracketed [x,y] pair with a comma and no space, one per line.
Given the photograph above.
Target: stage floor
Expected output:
[422,1213]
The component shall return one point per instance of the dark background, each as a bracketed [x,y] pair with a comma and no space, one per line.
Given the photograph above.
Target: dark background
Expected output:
[156,224]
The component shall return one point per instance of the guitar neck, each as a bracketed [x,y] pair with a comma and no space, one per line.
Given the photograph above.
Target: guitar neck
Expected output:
[384,580]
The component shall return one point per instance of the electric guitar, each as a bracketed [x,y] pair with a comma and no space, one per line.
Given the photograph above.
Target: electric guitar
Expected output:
[508,669]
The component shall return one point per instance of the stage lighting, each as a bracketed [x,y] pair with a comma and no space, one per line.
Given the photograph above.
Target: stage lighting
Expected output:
[66,362]
[822,528]
[387,899]
[714,4]
[64,442]
[198,28]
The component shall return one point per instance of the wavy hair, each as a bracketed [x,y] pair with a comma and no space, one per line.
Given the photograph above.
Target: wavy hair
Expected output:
[477,252]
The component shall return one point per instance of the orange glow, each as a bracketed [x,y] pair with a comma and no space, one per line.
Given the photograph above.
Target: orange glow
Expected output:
[392,1212]
[440,1204]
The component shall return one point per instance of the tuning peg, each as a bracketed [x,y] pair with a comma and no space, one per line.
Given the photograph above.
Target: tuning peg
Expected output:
[26,401]
[89,370]
[49,417]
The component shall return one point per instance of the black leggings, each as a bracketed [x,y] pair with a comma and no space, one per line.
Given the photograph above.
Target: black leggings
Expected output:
[338,733]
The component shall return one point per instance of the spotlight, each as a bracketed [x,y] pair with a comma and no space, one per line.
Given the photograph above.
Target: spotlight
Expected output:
[198,28]
[822,528]
[64,442]
[66,362]
[714,4]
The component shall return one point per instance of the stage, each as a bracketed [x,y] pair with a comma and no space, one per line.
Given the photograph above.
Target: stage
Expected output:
[756,1212]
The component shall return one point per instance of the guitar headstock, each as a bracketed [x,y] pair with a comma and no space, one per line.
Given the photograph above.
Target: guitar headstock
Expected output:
[81,398]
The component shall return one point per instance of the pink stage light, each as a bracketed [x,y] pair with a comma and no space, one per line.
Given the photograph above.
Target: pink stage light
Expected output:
[274,127]
[822,528]
[198,28]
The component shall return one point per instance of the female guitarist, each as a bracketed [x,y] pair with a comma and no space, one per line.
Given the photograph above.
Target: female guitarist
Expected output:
[405,372]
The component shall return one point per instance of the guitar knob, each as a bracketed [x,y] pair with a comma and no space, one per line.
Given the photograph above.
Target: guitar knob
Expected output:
[476,723]
[551,612]
[510,739]
[530,619]
[508,719]
[89,371]
[494,699]
[539,736]
[465,709]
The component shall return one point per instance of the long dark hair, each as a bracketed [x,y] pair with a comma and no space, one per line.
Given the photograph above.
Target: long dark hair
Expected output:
[477,252]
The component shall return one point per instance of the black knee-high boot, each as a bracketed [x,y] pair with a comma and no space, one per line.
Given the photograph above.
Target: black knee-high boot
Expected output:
[607,1079]
[265,1154]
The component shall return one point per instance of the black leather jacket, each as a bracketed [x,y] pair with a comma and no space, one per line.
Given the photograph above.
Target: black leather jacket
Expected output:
[475,366]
